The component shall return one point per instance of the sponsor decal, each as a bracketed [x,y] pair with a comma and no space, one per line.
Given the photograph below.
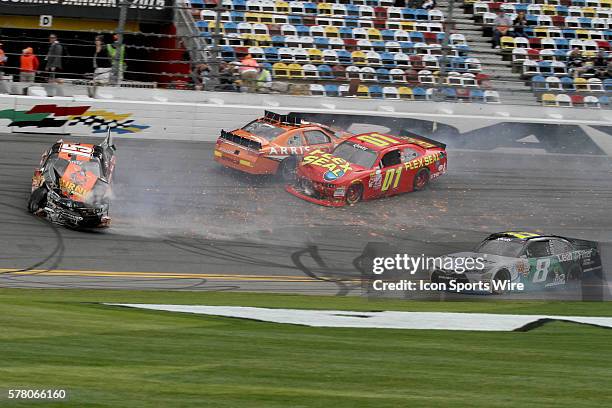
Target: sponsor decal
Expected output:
[422,161]
[336,166]
[53,116]
[286,151]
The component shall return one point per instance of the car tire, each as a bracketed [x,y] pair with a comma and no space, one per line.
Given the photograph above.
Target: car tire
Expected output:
[37,199]
[421,179]
[354,194]
[501,275]
[287,169]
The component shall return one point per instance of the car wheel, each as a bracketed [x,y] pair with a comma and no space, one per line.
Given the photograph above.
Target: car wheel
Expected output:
[435,277]
[421,179]
[37,199]
[501,276]
[354,194]
[287,169]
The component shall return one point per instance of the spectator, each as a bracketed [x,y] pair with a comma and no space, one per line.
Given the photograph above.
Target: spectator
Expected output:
[227,78]
[28,65]
[429,4]
[112,53]
[609,68]
[519,24]
[249,70]
[264,81]
[201,76]
[502,28]
[101,62]
[574,60]
[585,69]
[54,58]
[3,59]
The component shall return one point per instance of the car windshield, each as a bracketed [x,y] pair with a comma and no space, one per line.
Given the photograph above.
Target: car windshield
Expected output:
[501,247]
[356,154]
[263,129]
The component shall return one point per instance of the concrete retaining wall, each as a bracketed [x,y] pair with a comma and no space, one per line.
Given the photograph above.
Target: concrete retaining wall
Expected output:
[188,115]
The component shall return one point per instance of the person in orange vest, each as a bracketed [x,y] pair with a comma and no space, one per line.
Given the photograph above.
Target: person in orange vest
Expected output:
[3,59]
[249,71]
[29,65]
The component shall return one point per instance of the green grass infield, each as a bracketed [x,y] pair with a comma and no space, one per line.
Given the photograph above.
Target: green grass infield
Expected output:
[118,357]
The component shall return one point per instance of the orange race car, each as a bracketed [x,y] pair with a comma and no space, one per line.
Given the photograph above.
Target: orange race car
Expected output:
[274,144]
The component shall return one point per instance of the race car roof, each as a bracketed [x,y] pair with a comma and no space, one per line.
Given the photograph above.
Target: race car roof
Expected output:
[380,141]
[520,235]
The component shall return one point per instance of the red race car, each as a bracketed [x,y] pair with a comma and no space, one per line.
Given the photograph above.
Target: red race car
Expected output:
[368,166]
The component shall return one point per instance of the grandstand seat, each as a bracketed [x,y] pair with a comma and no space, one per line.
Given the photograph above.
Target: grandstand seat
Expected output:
[280,70]
[310,71]
[591,102]
[405,93]
[564,100]
[325,72]
[549,99]
[295,71]
[390,92]
[331,90]
[376,91]
[491,96]
[553,83]
[339,73]
[420,94]
[577,100]
[363,91]
[450,94]
[538,83]
[477,95]
[317,90]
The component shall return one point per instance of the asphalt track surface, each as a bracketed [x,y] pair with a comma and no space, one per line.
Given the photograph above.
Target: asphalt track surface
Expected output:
[181,221]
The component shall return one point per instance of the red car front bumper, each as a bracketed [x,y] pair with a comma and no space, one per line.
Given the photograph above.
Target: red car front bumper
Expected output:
[336,202]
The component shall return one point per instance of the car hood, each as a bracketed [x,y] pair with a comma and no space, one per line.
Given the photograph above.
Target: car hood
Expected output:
[326,168]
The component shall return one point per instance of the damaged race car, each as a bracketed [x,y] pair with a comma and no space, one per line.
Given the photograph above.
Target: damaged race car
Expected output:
[274,144]
[369,166]
[537,261]
[72,185]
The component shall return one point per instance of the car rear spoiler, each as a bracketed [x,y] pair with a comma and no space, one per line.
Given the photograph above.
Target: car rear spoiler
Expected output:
[428,140]
[289,119]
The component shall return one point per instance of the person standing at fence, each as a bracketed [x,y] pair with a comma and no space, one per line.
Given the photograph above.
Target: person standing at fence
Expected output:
[28,65]
[112,52]
[3,59]
[101,62]
[249,70]
[53,60]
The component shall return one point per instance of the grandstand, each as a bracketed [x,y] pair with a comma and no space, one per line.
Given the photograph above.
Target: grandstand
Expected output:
[386,51]
[375,49]
[543,59]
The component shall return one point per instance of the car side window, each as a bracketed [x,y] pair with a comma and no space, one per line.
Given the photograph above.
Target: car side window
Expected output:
[295,140]
[314,137]
[409,154]
[391,158]
[559,246]
[538,249]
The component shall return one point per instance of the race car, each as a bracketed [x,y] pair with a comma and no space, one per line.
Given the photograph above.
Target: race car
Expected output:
[368,166]
[274,144]
[72,184]
[537,261]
